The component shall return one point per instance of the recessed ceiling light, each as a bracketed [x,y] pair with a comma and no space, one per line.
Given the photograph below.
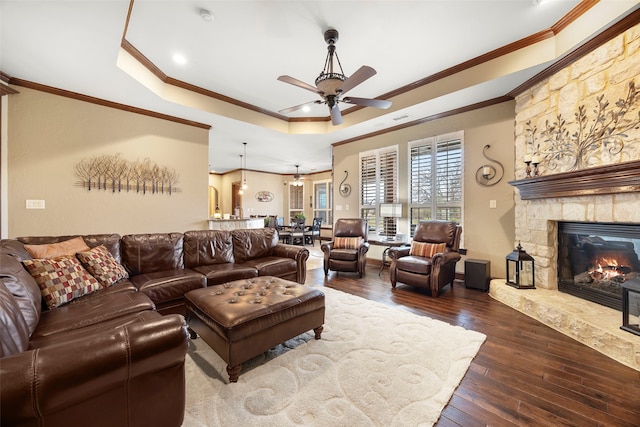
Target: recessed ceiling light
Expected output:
[306,108]
[178,58]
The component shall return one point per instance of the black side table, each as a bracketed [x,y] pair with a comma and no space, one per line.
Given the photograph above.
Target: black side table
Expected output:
[389,244]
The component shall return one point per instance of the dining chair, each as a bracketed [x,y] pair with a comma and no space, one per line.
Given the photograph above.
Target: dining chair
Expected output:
[313,231]
[297,231]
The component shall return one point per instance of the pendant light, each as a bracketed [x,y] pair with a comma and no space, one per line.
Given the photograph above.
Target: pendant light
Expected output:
[244,177]
[241,191]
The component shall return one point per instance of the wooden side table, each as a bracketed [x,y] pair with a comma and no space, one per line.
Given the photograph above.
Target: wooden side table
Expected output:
[389,244]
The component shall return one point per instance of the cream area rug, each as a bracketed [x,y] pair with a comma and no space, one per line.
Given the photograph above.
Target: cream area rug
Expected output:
[374,366]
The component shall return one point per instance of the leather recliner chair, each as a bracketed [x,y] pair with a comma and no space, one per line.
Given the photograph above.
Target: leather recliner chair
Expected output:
[349,259]
[435,272]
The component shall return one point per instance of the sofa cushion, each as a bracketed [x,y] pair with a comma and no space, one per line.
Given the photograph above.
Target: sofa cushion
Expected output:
[164,286]
[89,311]
[14,333]
[414,264]
[24,289]
[254,243]
[149,253]
[101,264]
[273,266]
[344,254]
[426,250]
[92,330]
[347,242]
[222,273]
[205,247]
[55,250]
[61,279]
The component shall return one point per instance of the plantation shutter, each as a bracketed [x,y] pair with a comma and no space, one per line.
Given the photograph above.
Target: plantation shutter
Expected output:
[378,184]
[436,179]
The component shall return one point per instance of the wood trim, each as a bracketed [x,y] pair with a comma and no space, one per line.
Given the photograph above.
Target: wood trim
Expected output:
[423,120]
[589,46]
[105,103]
[131,49]
[609,179]
[5,77]
[566,20]
[573,14]
[146,63]
[6,90]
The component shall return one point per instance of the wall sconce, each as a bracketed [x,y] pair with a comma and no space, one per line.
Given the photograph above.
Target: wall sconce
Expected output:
[487,174]
[521,272]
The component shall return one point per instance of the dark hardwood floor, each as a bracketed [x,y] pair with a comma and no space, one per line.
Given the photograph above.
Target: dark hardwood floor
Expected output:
[525,374]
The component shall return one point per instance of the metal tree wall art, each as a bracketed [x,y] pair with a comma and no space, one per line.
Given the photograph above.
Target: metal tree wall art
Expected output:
[604,133]
[107,172]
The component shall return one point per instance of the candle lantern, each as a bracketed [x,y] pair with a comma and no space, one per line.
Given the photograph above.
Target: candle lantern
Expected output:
[520,269]
[631,307]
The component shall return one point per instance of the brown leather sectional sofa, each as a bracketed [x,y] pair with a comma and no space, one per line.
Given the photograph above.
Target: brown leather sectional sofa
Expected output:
[116,356]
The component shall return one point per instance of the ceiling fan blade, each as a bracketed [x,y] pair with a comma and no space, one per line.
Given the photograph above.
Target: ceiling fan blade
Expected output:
[367,102]
[299,83]
[336,116]
[298,107]
[362,74]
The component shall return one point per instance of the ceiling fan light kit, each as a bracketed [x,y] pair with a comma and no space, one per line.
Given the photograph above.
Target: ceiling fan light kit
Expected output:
[331,84]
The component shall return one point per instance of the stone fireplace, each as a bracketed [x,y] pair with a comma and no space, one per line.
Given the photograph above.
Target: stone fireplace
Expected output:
[572,202]
[563,125]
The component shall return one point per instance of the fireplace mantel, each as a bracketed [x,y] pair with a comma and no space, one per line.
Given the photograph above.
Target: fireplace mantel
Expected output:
[609,179]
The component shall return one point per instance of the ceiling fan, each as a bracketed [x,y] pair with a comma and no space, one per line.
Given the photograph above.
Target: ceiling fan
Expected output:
[332,85]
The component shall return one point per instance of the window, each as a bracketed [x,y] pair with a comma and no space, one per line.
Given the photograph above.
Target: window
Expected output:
[296,200]
[436,179]
[322,203]
[378,184]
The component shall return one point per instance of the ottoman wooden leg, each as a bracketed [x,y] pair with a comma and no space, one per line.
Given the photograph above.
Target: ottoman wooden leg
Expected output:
[318,331]
[234,372]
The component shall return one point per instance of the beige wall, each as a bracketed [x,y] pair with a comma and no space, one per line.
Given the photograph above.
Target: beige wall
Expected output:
[49,134]
[487,233]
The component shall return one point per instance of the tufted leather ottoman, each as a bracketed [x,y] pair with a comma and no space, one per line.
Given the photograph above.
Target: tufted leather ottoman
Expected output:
[244,318]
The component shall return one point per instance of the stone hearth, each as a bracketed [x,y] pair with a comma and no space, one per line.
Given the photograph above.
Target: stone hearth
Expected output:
[592,324]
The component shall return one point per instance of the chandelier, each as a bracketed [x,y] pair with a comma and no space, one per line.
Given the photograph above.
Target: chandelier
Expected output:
[297,181]
[243,165]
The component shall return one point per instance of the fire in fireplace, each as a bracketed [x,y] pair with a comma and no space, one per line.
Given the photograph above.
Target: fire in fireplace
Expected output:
[594,259]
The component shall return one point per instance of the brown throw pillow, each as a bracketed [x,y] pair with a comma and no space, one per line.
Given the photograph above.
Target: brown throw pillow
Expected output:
[55,250]
[102,265]
[426,250]
[347,242]
[61,279]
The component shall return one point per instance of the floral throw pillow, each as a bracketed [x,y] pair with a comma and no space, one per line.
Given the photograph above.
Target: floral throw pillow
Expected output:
[426,250]
[102,265]
[61,279]
[347,242]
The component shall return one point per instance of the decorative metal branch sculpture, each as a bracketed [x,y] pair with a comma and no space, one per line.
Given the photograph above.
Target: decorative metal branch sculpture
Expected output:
[114,172]
[607,130]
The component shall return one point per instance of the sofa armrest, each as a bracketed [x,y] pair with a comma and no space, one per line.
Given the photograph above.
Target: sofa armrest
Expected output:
[105,379]
[298,253]
[290,251]
[443,258]
[397,253]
